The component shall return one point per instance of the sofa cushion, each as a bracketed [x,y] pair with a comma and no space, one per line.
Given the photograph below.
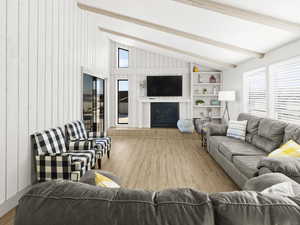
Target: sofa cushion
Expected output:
[247,164]
[253,122]
[272,130]
[237,129]
[252,208]
[265,144]
[264,181]
[292,132]
[89,177]
[64,202]
[233,147]
[216,129]
[215,141]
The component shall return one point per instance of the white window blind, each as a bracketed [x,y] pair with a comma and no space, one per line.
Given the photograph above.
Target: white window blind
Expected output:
[256,92]
[285,90]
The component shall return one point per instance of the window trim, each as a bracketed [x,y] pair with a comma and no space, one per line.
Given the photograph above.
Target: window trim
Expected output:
[118,101]
[118,52]
[264,69]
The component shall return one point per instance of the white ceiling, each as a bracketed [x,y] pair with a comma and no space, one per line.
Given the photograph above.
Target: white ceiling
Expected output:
[201,22]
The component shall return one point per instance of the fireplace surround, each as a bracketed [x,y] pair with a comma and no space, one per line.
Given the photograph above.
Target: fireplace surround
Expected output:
[164,114]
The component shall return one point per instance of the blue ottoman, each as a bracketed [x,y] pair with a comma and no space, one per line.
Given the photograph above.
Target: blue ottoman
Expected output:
[185,126]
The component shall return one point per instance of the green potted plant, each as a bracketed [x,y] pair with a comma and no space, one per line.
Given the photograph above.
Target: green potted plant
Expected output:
[204,91]
[200,102]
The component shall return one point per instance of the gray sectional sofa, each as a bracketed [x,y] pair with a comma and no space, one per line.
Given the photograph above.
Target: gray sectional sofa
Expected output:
[243,160]
[69,203]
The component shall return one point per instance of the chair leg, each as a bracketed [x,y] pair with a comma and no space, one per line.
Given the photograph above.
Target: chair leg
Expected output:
[99,163]
[108,154]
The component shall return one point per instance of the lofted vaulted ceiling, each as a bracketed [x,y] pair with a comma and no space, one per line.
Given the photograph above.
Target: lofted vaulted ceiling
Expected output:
[219,33]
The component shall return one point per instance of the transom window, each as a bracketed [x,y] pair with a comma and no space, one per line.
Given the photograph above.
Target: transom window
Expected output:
[123,58]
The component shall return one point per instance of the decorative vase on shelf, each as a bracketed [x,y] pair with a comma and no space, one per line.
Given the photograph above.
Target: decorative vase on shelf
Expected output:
[212,79]
[196,69]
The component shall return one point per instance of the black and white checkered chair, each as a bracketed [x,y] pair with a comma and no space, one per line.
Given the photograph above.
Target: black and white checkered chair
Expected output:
[54,160]
[77,134]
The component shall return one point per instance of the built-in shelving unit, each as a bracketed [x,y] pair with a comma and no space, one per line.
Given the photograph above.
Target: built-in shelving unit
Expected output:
[205,88]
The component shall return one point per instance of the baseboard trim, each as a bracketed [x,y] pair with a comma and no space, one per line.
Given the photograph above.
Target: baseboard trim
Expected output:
[12,202]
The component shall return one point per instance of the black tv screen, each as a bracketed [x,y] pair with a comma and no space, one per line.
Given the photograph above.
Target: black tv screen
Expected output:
[164,86]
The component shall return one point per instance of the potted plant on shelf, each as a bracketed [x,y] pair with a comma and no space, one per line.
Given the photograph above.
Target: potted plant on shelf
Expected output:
[200,102]
[204,91]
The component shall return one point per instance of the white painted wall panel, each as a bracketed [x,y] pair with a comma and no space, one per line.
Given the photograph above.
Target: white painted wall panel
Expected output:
[41,65]
[55,62]
[12,79]
[32,64]
[2,100]
[48,62]
[24,173]
[43,46]
[61,46]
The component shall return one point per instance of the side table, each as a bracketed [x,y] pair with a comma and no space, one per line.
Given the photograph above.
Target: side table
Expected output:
[204,137]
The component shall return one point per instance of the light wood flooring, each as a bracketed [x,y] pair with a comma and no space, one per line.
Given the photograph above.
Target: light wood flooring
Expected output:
[157,159]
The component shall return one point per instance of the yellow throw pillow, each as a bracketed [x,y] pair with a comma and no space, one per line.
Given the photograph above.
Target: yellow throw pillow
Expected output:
[104,181]
[289,149]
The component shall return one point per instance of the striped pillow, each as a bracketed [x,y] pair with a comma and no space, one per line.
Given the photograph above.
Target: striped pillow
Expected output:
[237,129]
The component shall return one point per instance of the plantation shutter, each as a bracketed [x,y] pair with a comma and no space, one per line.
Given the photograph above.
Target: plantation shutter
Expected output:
[256,99]
[286,90]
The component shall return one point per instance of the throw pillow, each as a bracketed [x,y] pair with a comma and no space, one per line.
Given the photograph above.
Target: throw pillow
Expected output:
[289,149]
[104,181]
[283,189]
[237,129]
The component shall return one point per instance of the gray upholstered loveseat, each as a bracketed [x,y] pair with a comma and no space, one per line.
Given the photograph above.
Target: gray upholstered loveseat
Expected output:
[70,203]
[243,160]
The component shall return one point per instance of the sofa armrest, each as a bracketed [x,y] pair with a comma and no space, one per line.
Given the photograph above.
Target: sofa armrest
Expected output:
[94,134]
[286,165]
[216,129]
[54,166]
[79,145]
[267,180]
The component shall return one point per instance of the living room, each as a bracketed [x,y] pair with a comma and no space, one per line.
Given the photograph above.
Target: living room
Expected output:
[139,112]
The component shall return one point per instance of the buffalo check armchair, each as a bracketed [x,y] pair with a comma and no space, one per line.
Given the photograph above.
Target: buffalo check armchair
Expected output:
[77,134]
[54,160]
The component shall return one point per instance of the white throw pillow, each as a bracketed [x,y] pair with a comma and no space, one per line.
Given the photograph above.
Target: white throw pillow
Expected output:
[237,129]
[283,189]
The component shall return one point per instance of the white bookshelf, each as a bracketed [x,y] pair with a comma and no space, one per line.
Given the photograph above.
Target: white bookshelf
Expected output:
[199,82]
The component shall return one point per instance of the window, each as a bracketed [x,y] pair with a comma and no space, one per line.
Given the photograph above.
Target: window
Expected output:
[285,90]
[256,92]
[123,58]
[122,101]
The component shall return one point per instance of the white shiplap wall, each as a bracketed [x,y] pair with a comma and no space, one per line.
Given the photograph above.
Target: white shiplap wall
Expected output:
[43,45]
[141,64]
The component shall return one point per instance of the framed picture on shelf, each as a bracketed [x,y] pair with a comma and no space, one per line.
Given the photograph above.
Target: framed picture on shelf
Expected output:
[215,102]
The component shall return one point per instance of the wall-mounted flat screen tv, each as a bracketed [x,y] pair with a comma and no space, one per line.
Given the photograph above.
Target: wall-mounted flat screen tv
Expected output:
[164,86]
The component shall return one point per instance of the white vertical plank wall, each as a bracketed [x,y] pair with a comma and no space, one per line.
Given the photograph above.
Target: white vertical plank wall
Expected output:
[142,63]
[2,101]
[43,46]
